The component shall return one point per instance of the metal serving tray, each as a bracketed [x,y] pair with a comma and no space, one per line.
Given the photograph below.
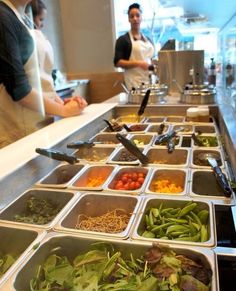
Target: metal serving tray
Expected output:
[129,119]
[203,185]
[116,157]
[159,156]
[174,202]
[95,154]
[63,199]
[175,119]
[213,136]
[155,119]
[18,242]
[196,163]
[187,128]
[206,128]
[177,176]
[141,139]
[177,140]
[71,246]
[154,127]
[138,127]
[61,176]
[94,177]
[88,205]
[105,139]
[111,186]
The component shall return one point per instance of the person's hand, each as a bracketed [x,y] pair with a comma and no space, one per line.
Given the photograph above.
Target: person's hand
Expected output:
[81,101]
[73,106]
[58,99]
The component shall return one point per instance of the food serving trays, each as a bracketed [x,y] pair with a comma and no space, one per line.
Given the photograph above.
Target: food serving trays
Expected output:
[95,154]
[16,242]
[129,180]
[87,206]
[105,139]
[42,203]
[123,157]
[61,176]
[159,156]
[168,182]
[141,139]
[197,158]
[71,246]
[203,185]
[158,222]
[94,177]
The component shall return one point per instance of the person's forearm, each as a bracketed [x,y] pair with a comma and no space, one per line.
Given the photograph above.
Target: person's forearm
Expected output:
[129,64]
[32,101]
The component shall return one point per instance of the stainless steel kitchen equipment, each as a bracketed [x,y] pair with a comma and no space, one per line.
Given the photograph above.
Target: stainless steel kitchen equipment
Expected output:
[176,65]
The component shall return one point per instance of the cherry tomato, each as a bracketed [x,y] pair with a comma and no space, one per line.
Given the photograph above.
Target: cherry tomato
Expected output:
[132,186]
[141,174]
[140,180]
[124,179]
[137,185]
[134,176]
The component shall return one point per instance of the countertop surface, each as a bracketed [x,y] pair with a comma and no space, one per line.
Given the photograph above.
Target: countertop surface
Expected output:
[17,154]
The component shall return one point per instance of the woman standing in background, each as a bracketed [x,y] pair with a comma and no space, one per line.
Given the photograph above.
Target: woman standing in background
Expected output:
[22,102]
[134,51]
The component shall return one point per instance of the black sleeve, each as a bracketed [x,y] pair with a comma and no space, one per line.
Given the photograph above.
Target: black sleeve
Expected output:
[12,73]
[122,49]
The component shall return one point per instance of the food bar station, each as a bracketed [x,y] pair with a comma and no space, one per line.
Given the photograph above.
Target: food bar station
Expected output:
[133,188]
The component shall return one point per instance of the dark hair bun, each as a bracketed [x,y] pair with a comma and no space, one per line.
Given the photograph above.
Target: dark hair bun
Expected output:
[134,5]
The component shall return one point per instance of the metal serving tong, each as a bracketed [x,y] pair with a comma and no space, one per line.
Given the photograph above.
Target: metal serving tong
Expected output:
[82,144]
[113,127]
[57,155]
[220,176]
[144,102]
[132,148]
[197,141]
[167,136]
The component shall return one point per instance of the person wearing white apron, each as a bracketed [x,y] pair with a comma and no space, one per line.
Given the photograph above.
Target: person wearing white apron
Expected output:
[134,51]
[37,12]
[22,102]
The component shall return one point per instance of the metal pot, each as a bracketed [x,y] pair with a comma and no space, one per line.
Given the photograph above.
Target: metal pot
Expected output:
[157,94]
[198,96]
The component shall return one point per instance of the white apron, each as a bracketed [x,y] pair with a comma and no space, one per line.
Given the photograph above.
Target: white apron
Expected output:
[46,61]
[142,51]
[17,121]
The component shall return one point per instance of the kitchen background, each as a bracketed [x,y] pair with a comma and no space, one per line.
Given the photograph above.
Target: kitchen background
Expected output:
[83,34]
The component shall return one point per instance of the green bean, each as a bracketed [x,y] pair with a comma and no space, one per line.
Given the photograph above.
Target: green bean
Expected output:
[158,227]
[204,233]
[148,234]
[187,209]
[195,217]
[194,238]
[203,216]
[176,227]
[178,220]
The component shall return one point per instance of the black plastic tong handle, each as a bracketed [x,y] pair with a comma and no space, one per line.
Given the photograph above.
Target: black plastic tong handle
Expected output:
[222,180]
[57,155]
[109,124]
[79,144]
[144,102]
[132,148]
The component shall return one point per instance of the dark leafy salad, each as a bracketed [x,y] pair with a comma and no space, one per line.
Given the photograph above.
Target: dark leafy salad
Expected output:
[103,268]
[38,211]
[6,260]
